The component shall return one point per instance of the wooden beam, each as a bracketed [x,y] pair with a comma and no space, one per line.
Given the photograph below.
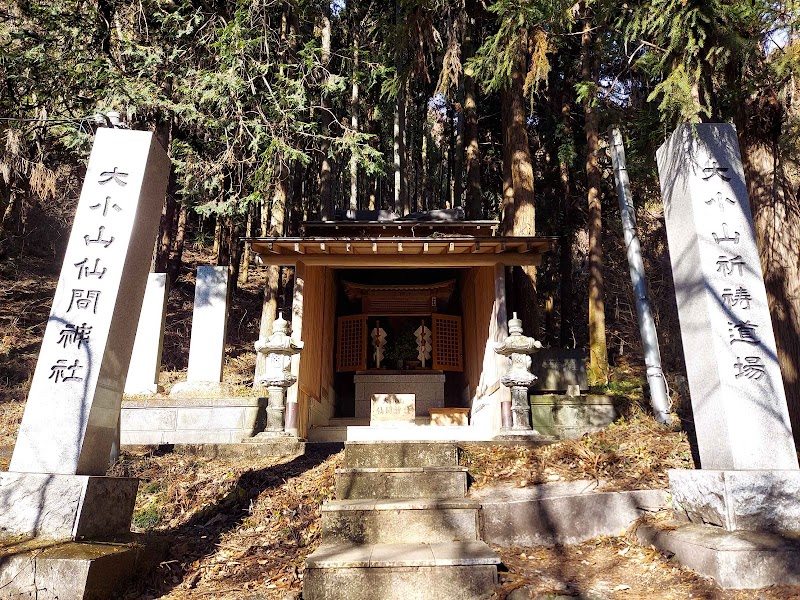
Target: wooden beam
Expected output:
[359,261]
[299,249]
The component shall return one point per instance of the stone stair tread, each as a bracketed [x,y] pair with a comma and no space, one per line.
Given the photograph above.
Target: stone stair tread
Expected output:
[400,504]
[443,554]
[403,470]
[383,443]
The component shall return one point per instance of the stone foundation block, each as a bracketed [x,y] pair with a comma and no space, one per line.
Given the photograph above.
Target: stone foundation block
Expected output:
[71,571]
[737,500]
[66,507]
[569,417]
[734,559]
[400,454]
[399,521]
[191,420]
[560,513]
[448,482]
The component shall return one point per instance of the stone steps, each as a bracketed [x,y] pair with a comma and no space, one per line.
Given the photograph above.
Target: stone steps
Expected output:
[401,528]
[456,571]
[401,482]
[400,454]
[399,521]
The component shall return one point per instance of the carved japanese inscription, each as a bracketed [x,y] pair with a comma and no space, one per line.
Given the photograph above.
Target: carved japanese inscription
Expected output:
[73,406]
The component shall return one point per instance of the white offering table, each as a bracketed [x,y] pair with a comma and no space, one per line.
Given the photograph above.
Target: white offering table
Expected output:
[427,386]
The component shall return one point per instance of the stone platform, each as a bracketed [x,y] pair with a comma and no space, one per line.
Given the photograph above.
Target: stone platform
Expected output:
[734,559]
[568,512]
[152,421]
[755,500]
[569,417]
[71,570]
[66,507]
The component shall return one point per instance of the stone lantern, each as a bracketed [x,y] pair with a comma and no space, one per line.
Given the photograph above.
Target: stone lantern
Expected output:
[279,349]
[519,378]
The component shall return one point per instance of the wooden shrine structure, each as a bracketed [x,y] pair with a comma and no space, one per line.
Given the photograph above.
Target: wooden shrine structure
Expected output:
[434,270]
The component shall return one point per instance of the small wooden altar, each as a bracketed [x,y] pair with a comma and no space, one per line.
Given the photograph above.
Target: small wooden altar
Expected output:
[427,386]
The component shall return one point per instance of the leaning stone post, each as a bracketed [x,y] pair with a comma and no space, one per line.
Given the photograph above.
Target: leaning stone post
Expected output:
[279,349]
[519,378]
[749,478]
[55,486]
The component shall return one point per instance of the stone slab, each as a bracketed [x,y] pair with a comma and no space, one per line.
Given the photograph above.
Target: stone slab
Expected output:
[738,401]
[428,389]
[66,507]
[558,368]
[541,516]
[400,454]
[209,325]
[191,421]
[72,571]
[149,342]
[734,559]
[401,525]
[737,500]
[401,483]
[72,412]
[415,582]
[570,417]
[392,409]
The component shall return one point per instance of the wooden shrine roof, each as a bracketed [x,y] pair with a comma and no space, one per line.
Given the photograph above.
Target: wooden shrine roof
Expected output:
[432,251]
[401,227]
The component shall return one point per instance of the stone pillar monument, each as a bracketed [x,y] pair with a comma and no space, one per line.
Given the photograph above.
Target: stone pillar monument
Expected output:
[279,349]
[519,378]
[55,488]
[749,480]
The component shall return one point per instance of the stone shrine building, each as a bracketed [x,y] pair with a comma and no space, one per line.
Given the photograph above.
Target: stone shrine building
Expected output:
[366,288]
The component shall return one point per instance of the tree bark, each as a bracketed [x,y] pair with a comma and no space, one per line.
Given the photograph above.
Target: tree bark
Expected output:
[163,133]
[270,305]
[474,208]
[776,218]
[519,214]
[216,249]
[244,270]
[458,150]
[598,353]
[176,254]
[354,99]
[326,119]
[565,249]
[235,258]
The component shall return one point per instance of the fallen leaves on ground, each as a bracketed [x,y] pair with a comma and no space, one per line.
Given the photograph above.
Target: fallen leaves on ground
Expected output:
[633,453]
[613,568]
[231,526]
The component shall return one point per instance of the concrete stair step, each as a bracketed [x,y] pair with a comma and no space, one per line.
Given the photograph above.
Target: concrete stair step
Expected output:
[457,571]
[401,482]
[400,454]
[400,521]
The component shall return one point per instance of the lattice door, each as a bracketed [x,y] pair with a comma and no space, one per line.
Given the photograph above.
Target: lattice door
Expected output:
[447,352]
[351,351]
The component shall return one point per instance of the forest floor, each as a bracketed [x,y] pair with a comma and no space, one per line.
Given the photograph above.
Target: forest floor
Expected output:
[242,530]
